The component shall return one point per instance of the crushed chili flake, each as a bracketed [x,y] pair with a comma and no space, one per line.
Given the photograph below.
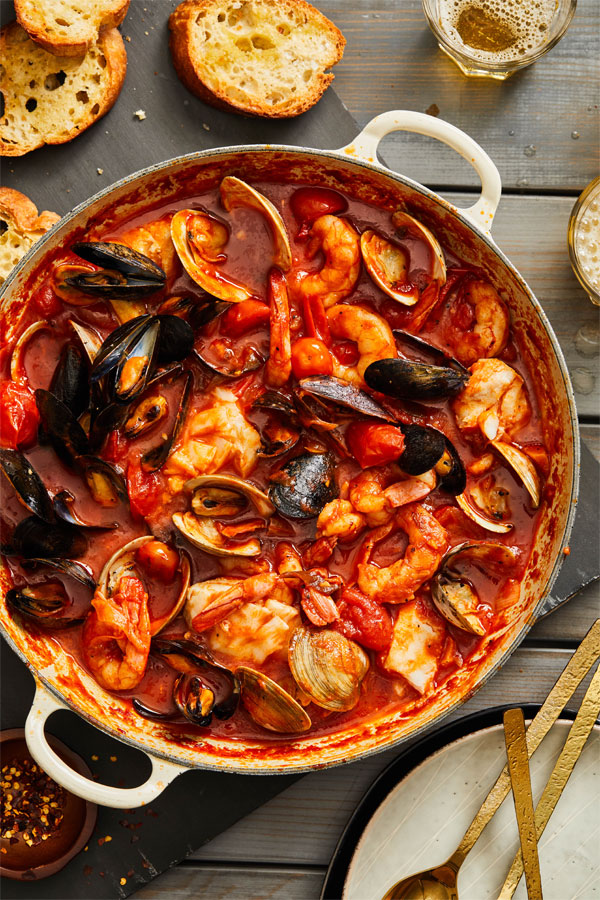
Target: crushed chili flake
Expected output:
[122,881]
[32,803]
[87,870]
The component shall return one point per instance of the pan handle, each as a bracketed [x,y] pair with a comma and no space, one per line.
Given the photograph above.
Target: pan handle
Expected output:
[365,144]
[44,704]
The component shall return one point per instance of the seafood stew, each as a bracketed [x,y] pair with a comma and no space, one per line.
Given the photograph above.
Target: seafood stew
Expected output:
[273,461]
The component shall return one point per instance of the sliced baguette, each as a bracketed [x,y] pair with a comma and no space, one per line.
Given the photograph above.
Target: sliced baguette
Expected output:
[20,227]
[258,57]
[68,27]
[51,99]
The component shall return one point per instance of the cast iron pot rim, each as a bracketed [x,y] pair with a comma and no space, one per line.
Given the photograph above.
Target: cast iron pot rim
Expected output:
[337,156]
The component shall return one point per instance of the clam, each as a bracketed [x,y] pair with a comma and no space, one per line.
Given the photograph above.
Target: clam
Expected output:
[453,596]
[17,371]
[226,495]
[199,240]
[148,413]
[70,383]
[126,274]
[236,193]
[328,667]
[156,457]
[44,604]
[269,704]
[406,225]
[90,339]
[336,390]
[123,562]
[27,483]
[228,360]
[410,380]
[388,264]
[34,538]
[304,485]
[484,521]
[523,466]
[203,533]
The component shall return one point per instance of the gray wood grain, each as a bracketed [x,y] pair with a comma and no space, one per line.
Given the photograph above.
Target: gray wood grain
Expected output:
[210,882]
[392,62]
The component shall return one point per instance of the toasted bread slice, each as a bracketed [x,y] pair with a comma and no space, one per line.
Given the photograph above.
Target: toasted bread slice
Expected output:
[258,57]
[51,99]
[68,27]
[20,227]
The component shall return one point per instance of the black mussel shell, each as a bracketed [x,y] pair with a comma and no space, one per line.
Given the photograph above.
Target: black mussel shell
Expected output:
[145,711]
[34,538]
[121,258]
[27,483]
[76,570]
[245,359]
[63,507]
[60,426]
[191,660]
[156,457]
[130,382]
[107,285]
[112,416]
[116,344]
[426,347]
[198,311]
[175,340]
[423,448]
[276,402]
[43,603]
[277,439]
[414,380]
[340,392]
[70,382]
[194,699]
[451,471]
[316,413]
[304,485]
[106,484]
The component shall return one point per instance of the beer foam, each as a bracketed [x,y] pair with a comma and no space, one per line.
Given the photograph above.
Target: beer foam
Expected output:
[527,22]
[587,242]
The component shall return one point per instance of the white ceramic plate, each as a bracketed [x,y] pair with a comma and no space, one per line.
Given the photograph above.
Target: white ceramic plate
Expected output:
[423,818]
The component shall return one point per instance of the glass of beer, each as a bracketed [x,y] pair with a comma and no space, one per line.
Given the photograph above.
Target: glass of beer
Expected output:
[583,238]
[495,38]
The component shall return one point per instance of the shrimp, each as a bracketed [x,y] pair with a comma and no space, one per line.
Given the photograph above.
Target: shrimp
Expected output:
[478,323]
[494,399]
[279,365]
[210,601]
[427,543]
[116,636]
[339,518]
[377,492]
[340,244]
[154,240]
[371,333]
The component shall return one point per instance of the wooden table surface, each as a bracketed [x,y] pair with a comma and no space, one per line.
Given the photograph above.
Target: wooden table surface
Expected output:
[541,129]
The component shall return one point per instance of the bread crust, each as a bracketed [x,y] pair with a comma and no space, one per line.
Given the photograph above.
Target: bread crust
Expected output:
[111,45]
[181,23]
[32,20]
[25,227]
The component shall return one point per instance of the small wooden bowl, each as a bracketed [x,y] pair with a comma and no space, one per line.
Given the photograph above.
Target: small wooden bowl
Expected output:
[27,863]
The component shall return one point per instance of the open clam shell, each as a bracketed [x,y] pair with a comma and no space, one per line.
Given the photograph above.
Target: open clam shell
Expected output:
[270,705]
[484,521]
[204,534]
[17,370]
[328,667]
[523,466]
[387,264]
[236,193]
[200,240]
[403,222]
[199,487]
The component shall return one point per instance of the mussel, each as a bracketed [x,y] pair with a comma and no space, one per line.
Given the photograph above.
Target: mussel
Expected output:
[454,597]
[90,339]
[27,483]
[126,274]
[328,667]
[269,704]
[17,370]
[148,413]
[44,604]
[200,240]
[106,484]
[70,383]
[175,339]
[156,457]
[135,365]
[410,380]
[61,428]
[424,447]
[387,264]
[236,193]
[35,538]
[304,485]
[223,358]
[345,395]
[197,311]
[71,567]
[524,468]
[451,470]
[63,504]
[281,432]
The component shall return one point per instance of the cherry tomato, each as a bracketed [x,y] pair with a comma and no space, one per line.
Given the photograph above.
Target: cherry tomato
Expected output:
[19,416]
[116,447]
[48,303]
[245,316]
[308,204]
[143,488]
[373,444]
[159,560]
[346,352]
[310,356]
[364,620]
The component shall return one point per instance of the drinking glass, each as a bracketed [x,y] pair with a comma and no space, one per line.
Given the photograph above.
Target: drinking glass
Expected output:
[583,238]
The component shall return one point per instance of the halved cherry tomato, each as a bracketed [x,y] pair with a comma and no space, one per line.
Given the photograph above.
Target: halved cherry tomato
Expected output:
[19,416]
[308,204]
[346,352]
[245,316]
[48,303]
[374,444]
[310,356]
[159,560]
[364,620]
[143,488]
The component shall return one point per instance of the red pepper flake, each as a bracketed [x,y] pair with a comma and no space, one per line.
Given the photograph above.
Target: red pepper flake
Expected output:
[122,881]
[32,803]
[113,759]
[87,870]
[567,551]
[94,757]
[100,841]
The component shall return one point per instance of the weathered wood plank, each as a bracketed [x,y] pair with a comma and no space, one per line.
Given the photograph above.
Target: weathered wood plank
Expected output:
[220,883]
[532,232]
[392,62]
[303,824]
